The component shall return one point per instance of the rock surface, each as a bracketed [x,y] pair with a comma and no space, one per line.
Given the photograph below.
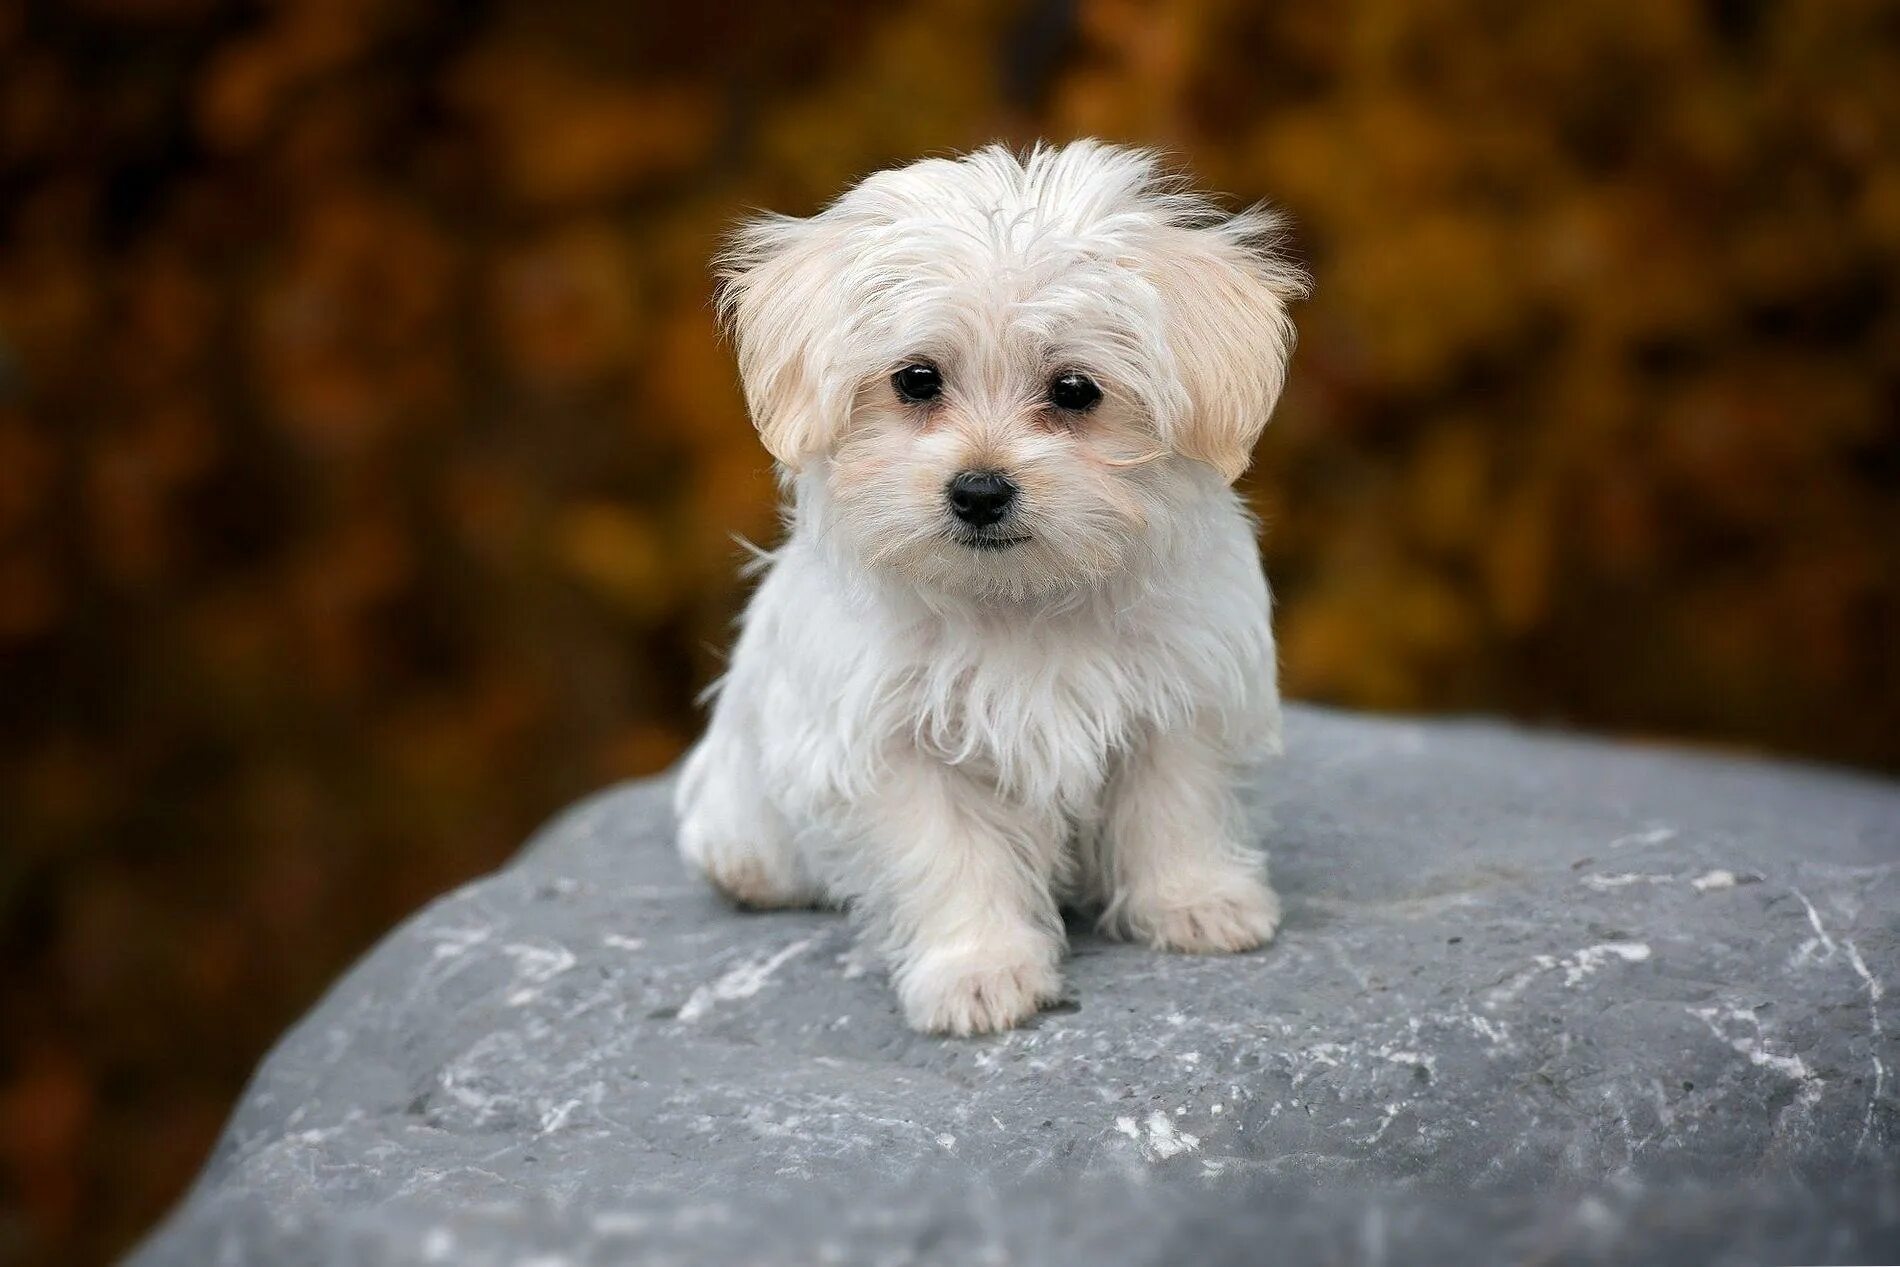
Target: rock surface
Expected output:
[1534,997]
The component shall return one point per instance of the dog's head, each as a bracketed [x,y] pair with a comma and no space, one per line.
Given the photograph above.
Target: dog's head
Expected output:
[1006,375]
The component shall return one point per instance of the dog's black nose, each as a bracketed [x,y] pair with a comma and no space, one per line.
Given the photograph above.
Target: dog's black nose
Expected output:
[980,498]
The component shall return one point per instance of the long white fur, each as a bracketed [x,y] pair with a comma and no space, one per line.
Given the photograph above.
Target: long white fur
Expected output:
[953,741]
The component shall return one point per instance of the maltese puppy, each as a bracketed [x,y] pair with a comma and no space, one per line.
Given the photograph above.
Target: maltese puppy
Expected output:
[1016,648]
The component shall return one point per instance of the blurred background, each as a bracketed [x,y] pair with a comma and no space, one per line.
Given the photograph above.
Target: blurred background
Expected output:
[368,459]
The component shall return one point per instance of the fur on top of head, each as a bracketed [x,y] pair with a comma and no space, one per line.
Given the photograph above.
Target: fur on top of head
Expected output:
[1086,255]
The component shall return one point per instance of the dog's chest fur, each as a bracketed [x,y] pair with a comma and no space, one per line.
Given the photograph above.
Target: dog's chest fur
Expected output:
[1037,704]
[1038,709]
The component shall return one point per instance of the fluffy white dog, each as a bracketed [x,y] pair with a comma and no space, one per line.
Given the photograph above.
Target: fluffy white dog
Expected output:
[1017,645]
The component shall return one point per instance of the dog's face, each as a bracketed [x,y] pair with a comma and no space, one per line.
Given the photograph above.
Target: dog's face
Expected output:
[1005,376]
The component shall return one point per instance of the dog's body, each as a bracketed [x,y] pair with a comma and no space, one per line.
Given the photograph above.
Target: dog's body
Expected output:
[1018,644]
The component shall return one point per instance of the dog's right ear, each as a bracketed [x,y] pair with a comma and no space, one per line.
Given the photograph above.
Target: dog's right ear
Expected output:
[777,283]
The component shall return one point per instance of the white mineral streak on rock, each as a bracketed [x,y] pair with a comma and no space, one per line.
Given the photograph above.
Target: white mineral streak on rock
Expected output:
[741,982]
[1161,1140]
[556,1116]
[1820,945]
[1754,1046]
[1164,1141]
[1497,1033]
[450,942]
[1874,992]
[1719,878]
[535,966]
[1603,883]
[1824,942]
[1575,967]
[1386,1115]
[1591,958]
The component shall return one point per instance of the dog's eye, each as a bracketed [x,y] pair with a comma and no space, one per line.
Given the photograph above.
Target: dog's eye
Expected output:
[1074,391]
[918,384]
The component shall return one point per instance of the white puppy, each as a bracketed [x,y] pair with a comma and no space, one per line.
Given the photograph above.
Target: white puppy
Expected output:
[1017,645]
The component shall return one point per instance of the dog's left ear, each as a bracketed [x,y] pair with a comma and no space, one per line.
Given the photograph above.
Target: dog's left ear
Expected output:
[775,282]
[1224,292]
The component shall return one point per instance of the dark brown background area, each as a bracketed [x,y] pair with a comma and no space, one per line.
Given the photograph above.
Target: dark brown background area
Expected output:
[368,458]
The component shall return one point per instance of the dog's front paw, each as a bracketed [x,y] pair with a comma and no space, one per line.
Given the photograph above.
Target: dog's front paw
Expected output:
[755,869]
[750,884]
[977,992]
[1237,918]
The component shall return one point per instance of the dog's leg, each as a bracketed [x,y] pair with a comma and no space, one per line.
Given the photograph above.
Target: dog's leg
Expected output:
[731,832]
[955,884]
[1174,868]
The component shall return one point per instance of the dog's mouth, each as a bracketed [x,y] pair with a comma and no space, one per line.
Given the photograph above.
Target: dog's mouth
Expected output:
[991,542]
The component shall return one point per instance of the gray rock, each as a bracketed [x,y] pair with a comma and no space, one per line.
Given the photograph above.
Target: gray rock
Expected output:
[1534,998]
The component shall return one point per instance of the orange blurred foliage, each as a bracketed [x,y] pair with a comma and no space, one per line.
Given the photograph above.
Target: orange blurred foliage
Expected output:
[368,458]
